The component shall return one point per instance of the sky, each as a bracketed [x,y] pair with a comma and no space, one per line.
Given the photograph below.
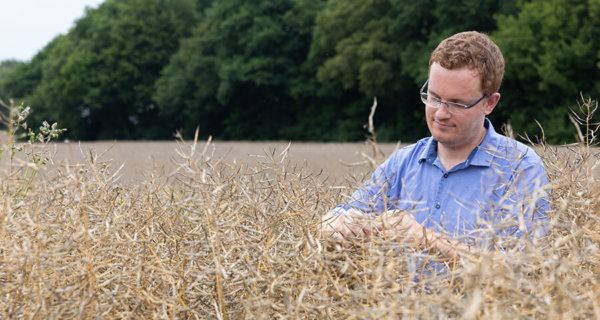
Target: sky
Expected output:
[26,26]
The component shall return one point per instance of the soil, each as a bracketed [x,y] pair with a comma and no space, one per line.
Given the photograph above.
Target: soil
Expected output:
[140,159]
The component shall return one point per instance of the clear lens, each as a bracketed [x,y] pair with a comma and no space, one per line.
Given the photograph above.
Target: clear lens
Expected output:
[455,108]
[432,102]
[425,99]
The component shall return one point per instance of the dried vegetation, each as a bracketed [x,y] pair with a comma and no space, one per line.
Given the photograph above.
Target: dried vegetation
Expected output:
[223,241]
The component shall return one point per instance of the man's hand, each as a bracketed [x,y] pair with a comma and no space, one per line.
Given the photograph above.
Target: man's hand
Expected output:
[340,227]
[400,226]
[403,226]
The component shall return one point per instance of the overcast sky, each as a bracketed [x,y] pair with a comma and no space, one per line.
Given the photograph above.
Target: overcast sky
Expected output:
[26,26]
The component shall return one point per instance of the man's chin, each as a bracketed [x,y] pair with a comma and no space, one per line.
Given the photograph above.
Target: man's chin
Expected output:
[441,136]
[445,139]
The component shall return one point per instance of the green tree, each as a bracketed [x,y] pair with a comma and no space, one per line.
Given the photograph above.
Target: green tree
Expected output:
[98,79]
[552,54]
[20,78]
[235,76]
[44,92]
[6,67]
[23,78]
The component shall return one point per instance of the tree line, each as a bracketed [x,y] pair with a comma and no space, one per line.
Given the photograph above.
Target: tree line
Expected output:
[298,69]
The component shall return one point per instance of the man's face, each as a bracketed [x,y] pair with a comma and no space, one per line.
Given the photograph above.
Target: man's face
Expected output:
[463,86]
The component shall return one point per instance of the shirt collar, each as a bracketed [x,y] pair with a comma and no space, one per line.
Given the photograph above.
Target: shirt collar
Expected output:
[482,156]
[479,156]
[429,153]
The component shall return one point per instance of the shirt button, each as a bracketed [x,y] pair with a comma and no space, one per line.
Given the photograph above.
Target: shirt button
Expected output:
[437,205]
[445,175]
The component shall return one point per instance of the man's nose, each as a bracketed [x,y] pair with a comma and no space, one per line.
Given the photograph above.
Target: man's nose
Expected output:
[442,111]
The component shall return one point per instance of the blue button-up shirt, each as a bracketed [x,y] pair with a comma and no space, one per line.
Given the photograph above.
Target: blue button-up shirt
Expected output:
[499,187]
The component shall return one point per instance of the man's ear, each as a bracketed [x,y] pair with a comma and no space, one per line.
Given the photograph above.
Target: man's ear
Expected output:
[490,102]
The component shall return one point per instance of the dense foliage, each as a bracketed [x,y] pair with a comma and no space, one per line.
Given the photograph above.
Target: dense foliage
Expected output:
[297,69]
[552,50]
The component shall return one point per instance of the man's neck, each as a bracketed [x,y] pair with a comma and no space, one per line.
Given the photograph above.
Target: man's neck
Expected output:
[450,156]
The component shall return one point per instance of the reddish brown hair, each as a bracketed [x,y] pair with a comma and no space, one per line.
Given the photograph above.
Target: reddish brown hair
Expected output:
[475,51]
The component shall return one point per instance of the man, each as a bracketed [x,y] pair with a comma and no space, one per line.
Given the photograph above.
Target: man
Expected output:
[464,186]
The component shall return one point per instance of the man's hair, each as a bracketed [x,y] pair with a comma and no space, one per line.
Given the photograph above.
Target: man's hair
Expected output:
[475,51]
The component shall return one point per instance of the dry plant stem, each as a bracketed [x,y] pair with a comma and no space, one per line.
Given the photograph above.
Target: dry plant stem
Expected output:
[373,137]
[377,155]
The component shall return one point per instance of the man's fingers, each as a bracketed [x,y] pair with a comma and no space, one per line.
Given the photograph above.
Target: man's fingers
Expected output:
[386,221]
[337,227]
[336,236]
[351,224]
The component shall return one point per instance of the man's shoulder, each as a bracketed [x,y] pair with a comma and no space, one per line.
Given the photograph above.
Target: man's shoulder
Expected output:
[408,155]
[413,150]
[516,150]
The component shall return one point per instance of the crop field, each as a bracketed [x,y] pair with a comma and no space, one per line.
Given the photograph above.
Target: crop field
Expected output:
[139,159]
[225,230]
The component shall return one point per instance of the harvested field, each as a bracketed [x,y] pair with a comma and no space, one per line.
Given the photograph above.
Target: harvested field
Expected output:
[334,160]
